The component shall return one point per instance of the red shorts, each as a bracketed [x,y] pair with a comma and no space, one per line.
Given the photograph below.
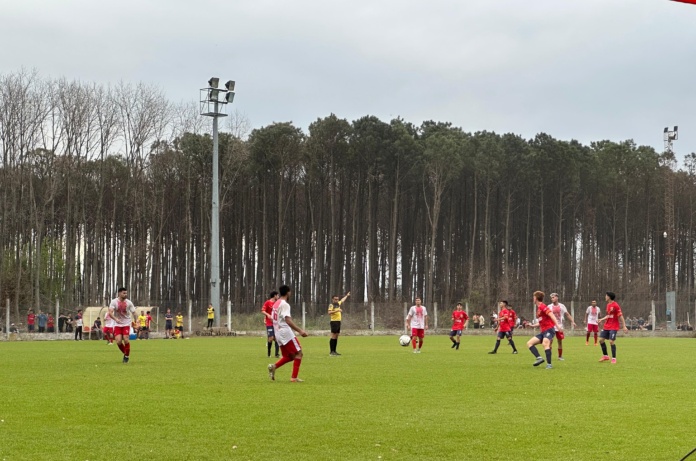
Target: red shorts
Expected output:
[290,348]
[560,336]
[420,332]
[123,331]
[592,328]
[108,330]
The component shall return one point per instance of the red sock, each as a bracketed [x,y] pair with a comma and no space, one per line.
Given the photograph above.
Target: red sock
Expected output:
[420,343]
[588,337]
[282,361]
[595,338]
[296,367]
[127,349]
[560,353]
[414,342]
[121,347]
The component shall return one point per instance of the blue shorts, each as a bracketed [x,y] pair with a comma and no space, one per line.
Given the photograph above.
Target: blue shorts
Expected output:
[608,334]
[270,332]
[505,334]
[455,333]
[548,334]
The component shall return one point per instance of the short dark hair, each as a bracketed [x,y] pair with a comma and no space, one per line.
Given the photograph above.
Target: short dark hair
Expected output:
[121,289]
[504,302]
[459,304]
[284,290]
[611,295]
[273,293]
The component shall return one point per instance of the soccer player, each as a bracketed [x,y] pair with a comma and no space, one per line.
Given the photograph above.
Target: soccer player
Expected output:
[459,322]
[168,318]
[506,323]
[109,324]
[591,317]
[560,311]
[335,312]
[180,325]
[289,345]
[211,315]
[267,310]
[547,322]
[417,321]
[142,322]
[611,326]
[122,311]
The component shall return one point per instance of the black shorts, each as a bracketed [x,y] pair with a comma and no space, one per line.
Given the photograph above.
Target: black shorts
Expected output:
[144,328]
[168,325]
[547,334]
[30,327]
[455,333]
[608,334]
[270,332]
[335,326]
[505,334]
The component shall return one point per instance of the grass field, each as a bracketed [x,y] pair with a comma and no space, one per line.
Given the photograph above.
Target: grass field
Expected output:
[211,399]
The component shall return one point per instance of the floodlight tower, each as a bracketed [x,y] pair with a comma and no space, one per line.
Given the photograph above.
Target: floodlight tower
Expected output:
[669,136]
[212,106]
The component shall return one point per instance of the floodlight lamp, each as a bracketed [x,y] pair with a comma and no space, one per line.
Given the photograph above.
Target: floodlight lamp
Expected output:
[229,85]
[213,82]
[664,234]
[213,95]
[229,97]
[666,129]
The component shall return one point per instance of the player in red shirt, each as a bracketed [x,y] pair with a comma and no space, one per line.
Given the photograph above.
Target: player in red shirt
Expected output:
[267,310]
[506,323]
[459,322]
[611,327]
[547,322]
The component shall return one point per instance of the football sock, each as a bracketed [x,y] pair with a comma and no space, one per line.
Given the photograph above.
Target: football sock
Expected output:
[534,351]
[587,337]
[121,348]
[296,367]
[268,347]
[414,342]
[497,345]
[548,356]
[613,351]
[457,346]
[277,349]
[604,348]
[512,343]
[595,338]
[332,344]
[420,343]
[126,349]
[282,361]
[560,353]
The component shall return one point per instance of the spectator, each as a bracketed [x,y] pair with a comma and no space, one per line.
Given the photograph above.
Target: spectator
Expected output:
[494,320]
[62,323]
[98,327]
[31,318]
[13,328]
[42,320]
[50,324]
[477,322]
[69,325]
[78,325]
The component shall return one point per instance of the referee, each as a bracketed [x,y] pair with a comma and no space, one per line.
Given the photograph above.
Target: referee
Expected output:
[335,313]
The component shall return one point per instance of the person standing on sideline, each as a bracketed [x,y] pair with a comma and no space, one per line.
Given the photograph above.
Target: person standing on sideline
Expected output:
[267,311]
[149,324]
[50,324]
[560,311]
[122,311]
[506,323]
[42,319]
[289,345]
[180,325]
[547,322]
[611,327]
[417,321]
[335,312]
[109,325]
[142,325]
[168,326]
[591,317]
[31,320]
[459,322]
[97,327]
[78,325]
[211,315]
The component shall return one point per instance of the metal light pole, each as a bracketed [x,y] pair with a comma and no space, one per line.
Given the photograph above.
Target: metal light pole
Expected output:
[213,106]
[669,137]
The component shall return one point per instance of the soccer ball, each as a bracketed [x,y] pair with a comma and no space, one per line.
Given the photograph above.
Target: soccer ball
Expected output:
[404,340]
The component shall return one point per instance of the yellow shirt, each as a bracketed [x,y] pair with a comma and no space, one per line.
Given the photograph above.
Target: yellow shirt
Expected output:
[211,313]
[180,320]
[142,320]
[335,316]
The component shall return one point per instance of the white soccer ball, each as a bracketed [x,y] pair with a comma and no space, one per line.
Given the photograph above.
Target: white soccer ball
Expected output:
[404,340]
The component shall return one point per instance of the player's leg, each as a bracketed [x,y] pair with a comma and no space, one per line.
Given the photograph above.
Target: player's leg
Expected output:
[451,337]
[603,336]
[421,337]
[532,345]
[547,349]
[459,338]
[414,338]
[497,342]
[596,330]
[560,347]
[511,342]
[587,337]
[612,342]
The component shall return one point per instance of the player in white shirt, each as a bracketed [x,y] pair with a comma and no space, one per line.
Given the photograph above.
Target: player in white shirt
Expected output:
[417,321]
[592,322]
[560,311]
[122,311]
[285,336]
[109,325]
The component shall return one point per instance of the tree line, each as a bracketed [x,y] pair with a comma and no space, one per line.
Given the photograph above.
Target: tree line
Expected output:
[102,186]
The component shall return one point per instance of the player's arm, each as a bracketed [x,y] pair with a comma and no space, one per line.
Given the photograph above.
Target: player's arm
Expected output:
[466,322]
[292,325]
[344,298]
[623,322]
[408,321]
[263,311]
[335,310]
[426,321]
[570,317]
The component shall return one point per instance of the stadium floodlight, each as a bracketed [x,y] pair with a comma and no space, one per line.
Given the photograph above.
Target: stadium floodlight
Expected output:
[213,106]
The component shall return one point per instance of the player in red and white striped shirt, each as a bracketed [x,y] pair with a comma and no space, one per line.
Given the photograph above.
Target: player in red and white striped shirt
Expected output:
[591,320]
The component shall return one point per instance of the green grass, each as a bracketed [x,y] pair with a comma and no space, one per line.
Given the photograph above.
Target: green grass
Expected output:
[198,399]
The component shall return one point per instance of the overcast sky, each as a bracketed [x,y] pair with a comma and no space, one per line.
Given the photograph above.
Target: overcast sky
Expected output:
[576,69]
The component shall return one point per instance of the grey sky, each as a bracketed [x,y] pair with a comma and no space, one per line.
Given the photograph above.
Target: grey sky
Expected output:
[582,69]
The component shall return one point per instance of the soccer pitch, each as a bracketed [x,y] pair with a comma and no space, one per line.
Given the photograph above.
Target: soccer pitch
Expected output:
[211,399]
